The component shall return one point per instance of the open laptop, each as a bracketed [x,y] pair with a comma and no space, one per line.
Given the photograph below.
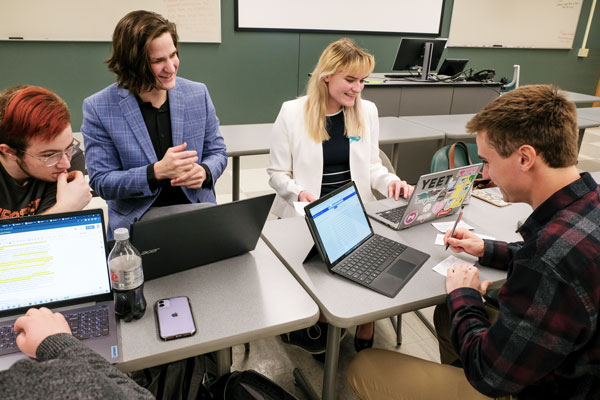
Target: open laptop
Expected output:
[436,195]
[451,67]
[190,239]
[57,261]
[347,244]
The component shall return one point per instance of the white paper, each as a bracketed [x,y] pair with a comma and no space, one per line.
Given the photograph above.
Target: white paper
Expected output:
[299,207]
[444,226]
[443,267]
[439,238]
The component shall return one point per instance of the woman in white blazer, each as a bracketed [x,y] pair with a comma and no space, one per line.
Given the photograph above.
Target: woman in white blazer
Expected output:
[325,139]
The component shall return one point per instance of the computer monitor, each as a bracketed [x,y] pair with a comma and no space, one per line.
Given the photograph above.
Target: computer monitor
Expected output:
[414,53]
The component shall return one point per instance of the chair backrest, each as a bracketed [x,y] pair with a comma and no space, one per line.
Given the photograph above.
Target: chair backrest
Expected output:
[388,164]
[440,160]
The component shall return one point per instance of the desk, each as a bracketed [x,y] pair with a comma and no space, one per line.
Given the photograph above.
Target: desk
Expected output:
[234,301]
[454,125]
[393,130]
[591,114]
[346,304]
[244,140]
[399,97]
[253,139]
[579,98]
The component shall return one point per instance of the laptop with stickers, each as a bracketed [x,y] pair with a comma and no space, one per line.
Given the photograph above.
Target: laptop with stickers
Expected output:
[436,195]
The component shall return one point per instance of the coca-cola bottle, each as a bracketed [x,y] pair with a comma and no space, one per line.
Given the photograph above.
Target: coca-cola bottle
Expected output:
[127,277]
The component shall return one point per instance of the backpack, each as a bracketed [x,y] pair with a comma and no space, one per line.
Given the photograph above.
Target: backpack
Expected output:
[186,379]
[248,385]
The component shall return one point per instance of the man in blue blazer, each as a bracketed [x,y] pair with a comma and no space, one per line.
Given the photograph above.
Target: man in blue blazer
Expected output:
[151,139]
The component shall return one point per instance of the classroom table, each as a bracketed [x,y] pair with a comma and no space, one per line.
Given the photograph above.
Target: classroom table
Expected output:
[244,140]
[591,113]
[345,303]
[253,139]
[234,301]
[394,131]
[454,128]
[579,98]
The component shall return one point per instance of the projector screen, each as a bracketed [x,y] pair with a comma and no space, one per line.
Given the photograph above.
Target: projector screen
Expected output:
[380,16]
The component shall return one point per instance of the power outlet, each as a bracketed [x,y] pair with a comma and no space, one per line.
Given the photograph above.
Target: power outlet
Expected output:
[583,52]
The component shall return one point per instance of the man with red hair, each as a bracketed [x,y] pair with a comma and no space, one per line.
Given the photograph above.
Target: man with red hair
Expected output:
[36,146]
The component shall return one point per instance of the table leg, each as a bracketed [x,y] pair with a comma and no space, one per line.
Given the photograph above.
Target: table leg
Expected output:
[223,361]
[580,138]
[331,362]
[399,330]
[235,166]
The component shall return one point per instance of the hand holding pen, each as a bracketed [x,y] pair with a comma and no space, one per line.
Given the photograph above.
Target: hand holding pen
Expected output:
[463,240]
[460,213]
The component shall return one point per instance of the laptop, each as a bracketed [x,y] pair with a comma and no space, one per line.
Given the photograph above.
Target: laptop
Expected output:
[345,240]
[57,261]
[452,66]
[436,195]
[190,239]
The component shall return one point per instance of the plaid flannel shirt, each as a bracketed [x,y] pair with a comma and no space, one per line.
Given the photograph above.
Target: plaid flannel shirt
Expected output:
[546,341]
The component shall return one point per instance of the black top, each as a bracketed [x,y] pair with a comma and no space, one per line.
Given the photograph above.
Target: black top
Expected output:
[158,123]
[336,155]
[17,200]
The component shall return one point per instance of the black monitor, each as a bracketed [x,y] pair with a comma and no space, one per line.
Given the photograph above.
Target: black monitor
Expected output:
[412,54]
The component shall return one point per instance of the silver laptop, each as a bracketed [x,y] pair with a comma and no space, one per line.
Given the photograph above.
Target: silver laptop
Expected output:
[57,261]
[436,195]
[347,244]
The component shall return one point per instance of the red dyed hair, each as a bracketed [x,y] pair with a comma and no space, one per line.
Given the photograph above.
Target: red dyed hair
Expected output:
[33,112]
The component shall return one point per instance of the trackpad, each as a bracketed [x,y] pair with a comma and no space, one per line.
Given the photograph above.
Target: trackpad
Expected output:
[401,269]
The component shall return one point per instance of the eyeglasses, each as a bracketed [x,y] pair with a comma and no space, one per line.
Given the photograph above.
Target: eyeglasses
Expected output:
[55,158]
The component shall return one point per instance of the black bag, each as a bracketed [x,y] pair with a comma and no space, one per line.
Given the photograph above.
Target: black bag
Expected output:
[186,379]
[248,385]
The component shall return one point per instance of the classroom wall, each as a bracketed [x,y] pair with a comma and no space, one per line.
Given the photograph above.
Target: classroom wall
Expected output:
[250,74]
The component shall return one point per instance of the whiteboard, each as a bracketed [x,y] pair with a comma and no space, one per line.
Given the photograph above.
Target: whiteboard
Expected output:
[95,20]
[544,24]
[389,16]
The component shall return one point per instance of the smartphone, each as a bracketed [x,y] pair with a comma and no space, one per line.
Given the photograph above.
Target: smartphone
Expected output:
[174,318]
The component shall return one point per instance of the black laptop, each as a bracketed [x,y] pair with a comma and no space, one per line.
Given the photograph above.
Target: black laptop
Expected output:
[190,239]
[57,261]
[347,244]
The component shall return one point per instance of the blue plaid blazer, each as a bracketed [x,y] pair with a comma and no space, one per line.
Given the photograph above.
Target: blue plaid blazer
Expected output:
[118,148]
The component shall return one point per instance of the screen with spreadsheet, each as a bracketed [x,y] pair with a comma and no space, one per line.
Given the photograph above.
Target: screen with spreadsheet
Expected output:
[341,223]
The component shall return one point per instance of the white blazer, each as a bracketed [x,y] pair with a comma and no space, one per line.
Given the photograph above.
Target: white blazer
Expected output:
[296,161]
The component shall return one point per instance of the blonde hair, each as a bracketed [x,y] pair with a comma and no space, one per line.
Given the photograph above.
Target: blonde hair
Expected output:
[345,56]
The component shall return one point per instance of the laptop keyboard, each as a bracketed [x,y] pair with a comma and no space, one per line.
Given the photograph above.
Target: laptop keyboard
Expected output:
[394,215]
[84,325]
[370,260]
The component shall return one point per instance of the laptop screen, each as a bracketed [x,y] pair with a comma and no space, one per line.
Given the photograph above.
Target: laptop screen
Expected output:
[340,222]
[52,259]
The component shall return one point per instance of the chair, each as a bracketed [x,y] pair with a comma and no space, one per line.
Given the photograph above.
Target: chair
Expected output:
[440,160]
[385,161]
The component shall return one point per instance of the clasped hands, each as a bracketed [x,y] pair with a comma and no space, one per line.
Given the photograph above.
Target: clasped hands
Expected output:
[465,275]
[180,167]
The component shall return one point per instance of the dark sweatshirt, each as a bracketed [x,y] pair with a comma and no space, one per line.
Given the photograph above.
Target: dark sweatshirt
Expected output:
[67,370]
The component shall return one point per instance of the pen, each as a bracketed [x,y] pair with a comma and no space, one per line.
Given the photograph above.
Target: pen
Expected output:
[455,223]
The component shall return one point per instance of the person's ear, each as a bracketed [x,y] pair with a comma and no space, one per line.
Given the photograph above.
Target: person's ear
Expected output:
[527,157]
[8,151]
[326,79]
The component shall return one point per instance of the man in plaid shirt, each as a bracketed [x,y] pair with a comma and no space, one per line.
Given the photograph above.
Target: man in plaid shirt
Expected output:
[544,341]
